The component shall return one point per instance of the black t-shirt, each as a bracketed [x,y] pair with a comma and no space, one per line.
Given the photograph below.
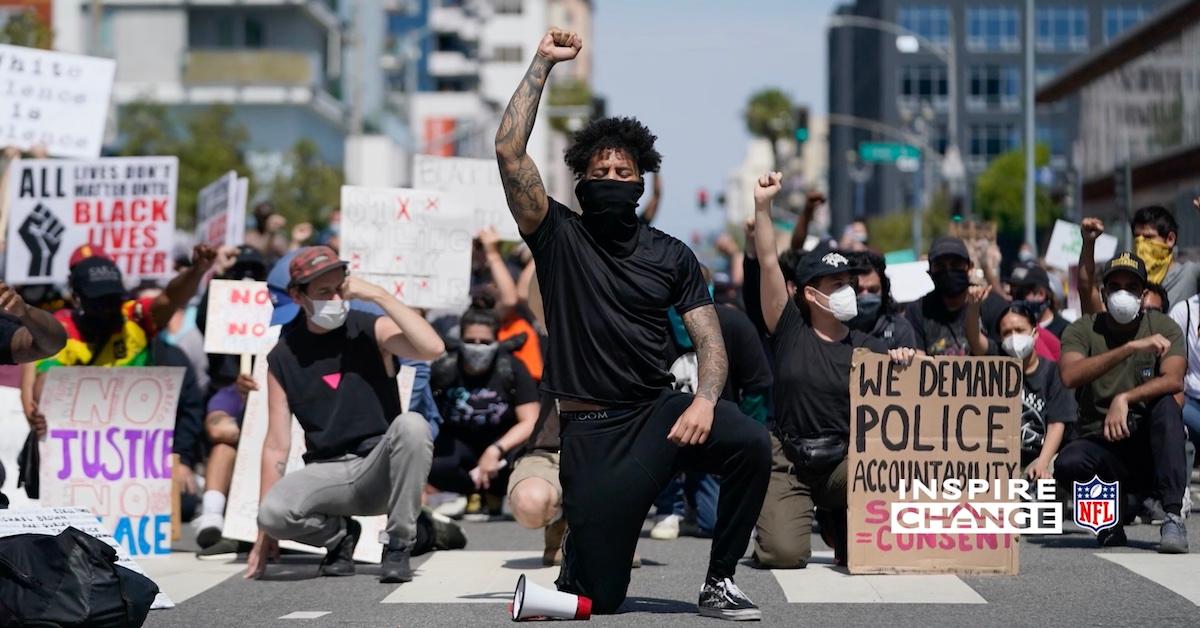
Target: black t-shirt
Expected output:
[939,331]
[1057,325]
[749,368]
[336,385]
[812,376]
[478,410]
[895,332]
[1044,400]
[607,313]
[8,329]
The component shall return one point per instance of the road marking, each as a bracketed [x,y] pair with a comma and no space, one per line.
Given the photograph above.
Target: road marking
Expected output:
[181,575]
[1180,574]
[821,583]
[305,615]
[472,577]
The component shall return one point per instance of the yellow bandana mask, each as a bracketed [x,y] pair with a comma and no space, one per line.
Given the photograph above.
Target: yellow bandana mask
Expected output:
[1157,257]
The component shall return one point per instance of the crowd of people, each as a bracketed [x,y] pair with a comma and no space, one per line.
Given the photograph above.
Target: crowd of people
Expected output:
[601,371]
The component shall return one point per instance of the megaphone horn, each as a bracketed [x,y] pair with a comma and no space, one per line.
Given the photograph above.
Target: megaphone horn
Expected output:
[531,600]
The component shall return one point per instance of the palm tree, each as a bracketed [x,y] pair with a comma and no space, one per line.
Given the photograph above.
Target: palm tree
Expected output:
[770,114]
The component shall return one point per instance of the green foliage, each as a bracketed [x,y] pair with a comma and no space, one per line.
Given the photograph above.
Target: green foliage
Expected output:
[567,93]
[306,188]
[769,114]
[893,232]
[1000,193]
[25,29]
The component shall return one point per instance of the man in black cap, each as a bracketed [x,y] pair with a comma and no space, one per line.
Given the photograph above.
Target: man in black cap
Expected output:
[1126,366]
[939,318]
[1030,284]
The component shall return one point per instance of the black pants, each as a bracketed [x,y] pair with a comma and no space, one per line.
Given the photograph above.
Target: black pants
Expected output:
[451,469]
[615,462]
[1151,460]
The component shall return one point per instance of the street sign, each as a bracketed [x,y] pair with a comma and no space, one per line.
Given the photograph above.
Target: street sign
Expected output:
[908,164]
[887,152]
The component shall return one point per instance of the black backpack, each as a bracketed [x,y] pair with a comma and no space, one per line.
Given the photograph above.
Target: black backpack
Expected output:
[69,580]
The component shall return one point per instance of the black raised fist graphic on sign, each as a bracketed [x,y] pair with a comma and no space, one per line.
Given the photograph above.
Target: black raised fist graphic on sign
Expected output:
[42,232]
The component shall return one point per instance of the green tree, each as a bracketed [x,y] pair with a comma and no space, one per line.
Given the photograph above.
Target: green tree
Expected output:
[893,232]
[769,114]
[1000,192]
[25,29]
[306,188]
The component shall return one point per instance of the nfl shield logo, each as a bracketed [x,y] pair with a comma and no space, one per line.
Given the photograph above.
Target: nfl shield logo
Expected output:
[1096,504]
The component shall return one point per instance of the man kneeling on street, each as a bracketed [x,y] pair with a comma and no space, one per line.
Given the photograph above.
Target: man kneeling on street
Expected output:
[1126,365]
[333,369]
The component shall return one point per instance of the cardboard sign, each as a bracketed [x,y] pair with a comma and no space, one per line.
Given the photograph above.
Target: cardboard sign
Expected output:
[910,281]
[53,521]
[239,318]
[124,205]
[1066,242]
[411,242]
[54,99]
[936,419]
[471,183]
[108,448]
[241,508]
[220,212]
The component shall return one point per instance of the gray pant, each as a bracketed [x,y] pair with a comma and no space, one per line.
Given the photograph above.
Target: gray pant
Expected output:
[307,506]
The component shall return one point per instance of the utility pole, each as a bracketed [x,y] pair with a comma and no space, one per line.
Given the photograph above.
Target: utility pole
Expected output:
[1030,132]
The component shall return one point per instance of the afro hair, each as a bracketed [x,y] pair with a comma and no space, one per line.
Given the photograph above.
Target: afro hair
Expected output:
[624,134]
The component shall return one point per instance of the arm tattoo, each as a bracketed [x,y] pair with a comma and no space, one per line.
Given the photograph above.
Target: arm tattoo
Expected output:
[522,183]
[702,325]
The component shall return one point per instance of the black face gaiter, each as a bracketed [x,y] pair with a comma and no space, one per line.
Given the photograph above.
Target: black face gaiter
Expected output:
[950,282]
[610,211]
[99,319]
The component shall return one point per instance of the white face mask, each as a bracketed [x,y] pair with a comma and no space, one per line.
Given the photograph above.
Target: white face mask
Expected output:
[1018,345]
[1124,306]
[329,315]
[843,303]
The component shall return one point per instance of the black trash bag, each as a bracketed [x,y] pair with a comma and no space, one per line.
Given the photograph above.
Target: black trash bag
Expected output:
[69,580]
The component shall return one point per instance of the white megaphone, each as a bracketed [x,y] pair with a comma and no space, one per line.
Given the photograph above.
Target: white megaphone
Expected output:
[531,600]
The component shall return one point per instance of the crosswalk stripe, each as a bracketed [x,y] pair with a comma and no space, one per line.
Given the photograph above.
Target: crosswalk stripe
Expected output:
[1178,574]
[472,578]
[821,583]
[181,575]
[305,615]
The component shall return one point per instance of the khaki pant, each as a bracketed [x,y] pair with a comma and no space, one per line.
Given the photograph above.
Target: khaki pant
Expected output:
[784,539]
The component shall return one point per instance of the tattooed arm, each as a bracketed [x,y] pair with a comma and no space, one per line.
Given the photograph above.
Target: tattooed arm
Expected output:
[694,425]
[522,182]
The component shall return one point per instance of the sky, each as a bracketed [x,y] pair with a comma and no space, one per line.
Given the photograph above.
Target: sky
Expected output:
[686,68]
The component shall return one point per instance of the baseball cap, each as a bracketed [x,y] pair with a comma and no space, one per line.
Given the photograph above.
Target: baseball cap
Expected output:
[1029,275]
[311,262]
[85,251]
[822,262]
[948,245]
[1125,262]
[285,308]
[96,277]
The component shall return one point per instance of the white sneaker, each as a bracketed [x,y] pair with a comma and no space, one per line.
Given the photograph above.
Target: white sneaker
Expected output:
[208,529]
[666,528]
[453,508]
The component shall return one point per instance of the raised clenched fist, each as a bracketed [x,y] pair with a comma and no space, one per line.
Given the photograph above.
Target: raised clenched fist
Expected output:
[768,186]
[559,45]
[1091,228]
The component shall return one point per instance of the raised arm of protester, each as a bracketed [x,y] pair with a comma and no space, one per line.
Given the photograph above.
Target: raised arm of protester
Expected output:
[40,334]
[728,247]
[813,200]
[773,288]
[978,341]
[506,288]
[522,182]
[403,332]
[183,287]
[651,208]
[1089,293]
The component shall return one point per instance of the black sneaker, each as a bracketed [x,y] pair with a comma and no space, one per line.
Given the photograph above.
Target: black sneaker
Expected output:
[1113,537]
[1174,536]
[723,599]
[447,535]
[339,561]
[395,567]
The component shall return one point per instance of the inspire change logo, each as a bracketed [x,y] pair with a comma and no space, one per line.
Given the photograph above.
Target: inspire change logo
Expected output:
[1013,506]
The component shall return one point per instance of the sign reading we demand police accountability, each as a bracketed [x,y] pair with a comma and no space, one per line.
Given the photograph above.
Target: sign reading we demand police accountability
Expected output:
[934,467]
[125,205]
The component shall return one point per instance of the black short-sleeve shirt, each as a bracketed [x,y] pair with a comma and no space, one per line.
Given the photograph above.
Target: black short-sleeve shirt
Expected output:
[607,313]
[479,409]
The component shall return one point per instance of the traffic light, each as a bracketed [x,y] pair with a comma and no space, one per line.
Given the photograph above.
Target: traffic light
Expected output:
[801,124]
[702,199]
[1122,186]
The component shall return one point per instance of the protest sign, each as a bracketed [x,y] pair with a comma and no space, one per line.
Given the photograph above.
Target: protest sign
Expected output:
[53,99]
[218,207]
[410,242]
[470,183]
[108,448]
[239,318]
[53,521]
[1066,242]
[910,281]
[124,205]
[241,508]
[932,421]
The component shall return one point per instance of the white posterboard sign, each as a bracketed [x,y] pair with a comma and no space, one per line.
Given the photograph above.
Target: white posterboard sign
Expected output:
[910,281]
[52,521]
[1066,242]
[473,183]
[108,448]
[124,205]
[239,318]
[414,243]
[53,99]
[241,508]
[217,210]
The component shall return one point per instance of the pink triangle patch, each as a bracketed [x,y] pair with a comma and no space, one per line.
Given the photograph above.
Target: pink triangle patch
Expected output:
[333,379]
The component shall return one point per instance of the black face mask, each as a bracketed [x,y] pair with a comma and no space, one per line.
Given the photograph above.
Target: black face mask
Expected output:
[98,320]
[869,306]
[1035,308]
[950,282]
[610,211]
